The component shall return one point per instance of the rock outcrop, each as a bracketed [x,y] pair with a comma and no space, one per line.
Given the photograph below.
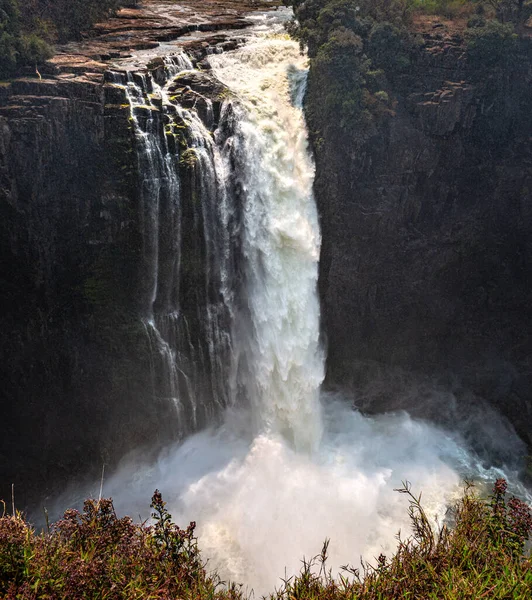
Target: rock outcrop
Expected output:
[426,262]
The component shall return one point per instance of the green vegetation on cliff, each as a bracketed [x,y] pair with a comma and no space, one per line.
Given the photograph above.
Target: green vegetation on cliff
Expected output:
[29,27]
[95,554]
[506,11]
[18,46]
[353,46]
[360,47]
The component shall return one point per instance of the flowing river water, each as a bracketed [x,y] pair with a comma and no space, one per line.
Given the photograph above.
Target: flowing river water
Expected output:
[289,466]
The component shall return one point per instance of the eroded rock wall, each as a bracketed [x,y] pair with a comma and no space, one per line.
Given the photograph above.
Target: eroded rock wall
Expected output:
[426,261]
[68,245]
[91,364]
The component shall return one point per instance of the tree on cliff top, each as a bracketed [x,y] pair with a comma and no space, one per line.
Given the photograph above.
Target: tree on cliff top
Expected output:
[28,27]
[63,20]
[511,11]
[9,28]
[506,11]
[17,45]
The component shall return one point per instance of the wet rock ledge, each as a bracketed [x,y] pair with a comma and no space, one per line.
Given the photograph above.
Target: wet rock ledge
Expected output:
[197,24]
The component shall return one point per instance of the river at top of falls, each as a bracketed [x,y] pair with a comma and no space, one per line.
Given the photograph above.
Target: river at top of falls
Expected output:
[291,469]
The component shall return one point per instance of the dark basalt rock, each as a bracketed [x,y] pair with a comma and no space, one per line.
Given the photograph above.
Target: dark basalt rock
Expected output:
[426,262]
[75,361]
[200,83]
[199,91]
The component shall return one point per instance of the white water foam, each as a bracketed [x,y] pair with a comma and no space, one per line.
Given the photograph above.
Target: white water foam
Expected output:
[281,240]
[261,506]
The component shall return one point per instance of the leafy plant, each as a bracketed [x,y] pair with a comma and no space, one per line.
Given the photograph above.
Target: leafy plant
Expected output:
[94,554]
[492,44]
[29,27]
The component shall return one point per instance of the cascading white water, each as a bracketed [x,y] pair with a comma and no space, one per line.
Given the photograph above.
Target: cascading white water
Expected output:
[268,494]
[281,239]
[160,177]
[190,373]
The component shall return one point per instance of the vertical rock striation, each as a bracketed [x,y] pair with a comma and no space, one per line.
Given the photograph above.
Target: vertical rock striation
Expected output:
[119,258]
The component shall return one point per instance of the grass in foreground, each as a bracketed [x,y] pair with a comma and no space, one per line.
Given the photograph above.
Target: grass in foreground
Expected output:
[96,555]
[481,556]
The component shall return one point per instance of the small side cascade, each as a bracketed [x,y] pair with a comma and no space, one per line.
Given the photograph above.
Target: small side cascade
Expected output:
[187,254]
[176,63]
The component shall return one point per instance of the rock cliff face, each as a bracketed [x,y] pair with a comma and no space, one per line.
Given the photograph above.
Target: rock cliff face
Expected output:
[76,348]
[426,262]
[74,363]
[52,159]
[426,265]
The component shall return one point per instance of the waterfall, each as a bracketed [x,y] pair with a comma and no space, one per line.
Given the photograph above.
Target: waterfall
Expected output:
[264,328]
[280,340]
[185,216]
[286,467]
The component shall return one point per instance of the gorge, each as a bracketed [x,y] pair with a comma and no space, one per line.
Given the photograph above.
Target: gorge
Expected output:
[162,242]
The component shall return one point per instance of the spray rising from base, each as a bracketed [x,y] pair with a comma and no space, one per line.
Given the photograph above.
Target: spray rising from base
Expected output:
[261,506]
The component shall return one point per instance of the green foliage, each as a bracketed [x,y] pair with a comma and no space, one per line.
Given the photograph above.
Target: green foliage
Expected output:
[492,44]
[33,50]
[177,544]
[28,27]
[8,53]
[10,15]
[361,52]
[356,47]
[15,48]
[445,8]
[506,11]
[511,11]
[94,554]
[72,17]
[13,540]
[339,67]
[476,21]
[318,19]
[395,11]
[387,47]
[20,50]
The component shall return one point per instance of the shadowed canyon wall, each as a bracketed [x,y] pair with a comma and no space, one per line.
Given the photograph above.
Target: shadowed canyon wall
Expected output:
[113,326]
[426,214]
